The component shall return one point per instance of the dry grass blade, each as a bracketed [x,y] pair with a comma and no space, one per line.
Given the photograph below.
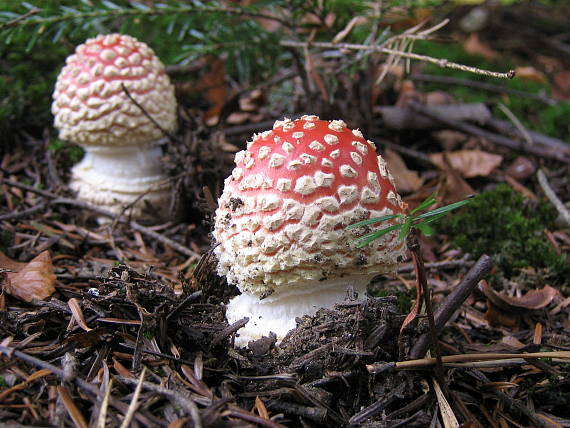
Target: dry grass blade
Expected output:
[102,418]
[134,402]
[516,122]
[466,358]
[74,413]
[447,415]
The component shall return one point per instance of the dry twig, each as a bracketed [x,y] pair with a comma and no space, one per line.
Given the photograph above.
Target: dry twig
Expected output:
[543,181]
[454,301]
[440,62]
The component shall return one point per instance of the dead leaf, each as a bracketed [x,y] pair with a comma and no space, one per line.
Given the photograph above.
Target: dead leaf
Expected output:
[9,264]
[532,300]
[449,139]
[470,163]
[28,281]
[530,74]
[474,46]
[452,186]
[561,87]
[408,93]
[213,83]
[438,98]
[180,423]
[77,313]
[407,181]
[521,168]
[497,318]
[261,409]
[72,409]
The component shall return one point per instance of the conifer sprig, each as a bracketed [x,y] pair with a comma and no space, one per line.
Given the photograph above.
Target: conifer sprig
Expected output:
[411,220]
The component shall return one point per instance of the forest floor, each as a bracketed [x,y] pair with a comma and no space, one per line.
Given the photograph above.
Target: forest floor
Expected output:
[98,320]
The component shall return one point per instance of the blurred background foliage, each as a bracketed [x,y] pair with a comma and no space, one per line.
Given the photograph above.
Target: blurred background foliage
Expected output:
[33,50]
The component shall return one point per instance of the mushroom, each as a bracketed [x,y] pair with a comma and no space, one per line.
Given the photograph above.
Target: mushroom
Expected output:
[280,226]
[91,108]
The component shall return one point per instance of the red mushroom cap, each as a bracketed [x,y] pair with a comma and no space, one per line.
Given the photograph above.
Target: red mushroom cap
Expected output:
[90,105]
[283,214]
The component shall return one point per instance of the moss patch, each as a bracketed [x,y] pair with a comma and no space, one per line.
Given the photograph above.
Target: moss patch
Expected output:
[502,224]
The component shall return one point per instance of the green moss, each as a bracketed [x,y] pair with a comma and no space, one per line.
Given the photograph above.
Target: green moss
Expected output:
[72,152]
[502,224]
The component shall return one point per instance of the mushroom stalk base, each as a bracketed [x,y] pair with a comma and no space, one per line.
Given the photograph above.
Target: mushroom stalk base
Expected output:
[114,177]
[277,312]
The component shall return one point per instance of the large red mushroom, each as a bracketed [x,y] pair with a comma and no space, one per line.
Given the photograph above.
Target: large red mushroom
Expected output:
[280,227]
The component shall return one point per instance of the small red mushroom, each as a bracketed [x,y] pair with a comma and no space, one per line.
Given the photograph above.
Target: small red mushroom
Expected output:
[282,217]
[122,158]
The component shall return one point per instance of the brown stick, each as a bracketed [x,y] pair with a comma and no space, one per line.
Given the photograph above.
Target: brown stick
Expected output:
[401,118]
[453,301]
[510,130]
[492,137]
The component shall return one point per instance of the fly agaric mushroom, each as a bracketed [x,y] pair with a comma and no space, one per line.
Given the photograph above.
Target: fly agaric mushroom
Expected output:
[282,217]
[122,158]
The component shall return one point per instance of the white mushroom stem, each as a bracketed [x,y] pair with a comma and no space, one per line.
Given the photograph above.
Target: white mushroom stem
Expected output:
[277,312]
[107,175]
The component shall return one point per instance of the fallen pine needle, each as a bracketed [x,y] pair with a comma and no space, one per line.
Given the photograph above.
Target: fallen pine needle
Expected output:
[134,401]
[447,415]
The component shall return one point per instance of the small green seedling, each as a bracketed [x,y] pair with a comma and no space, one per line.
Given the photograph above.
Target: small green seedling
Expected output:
[411,220]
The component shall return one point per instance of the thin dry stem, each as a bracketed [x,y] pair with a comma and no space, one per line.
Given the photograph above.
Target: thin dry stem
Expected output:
[440,62]
[470,358]
[545,185]
[516,122]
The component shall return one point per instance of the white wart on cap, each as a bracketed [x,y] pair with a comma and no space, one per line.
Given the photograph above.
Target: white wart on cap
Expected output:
[282,217]
[91,108]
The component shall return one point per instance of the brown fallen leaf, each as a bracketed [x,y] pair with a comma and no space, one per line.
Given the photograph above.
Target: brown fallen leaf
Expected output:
[470,163]
[449,139]
[498,318]
[407,181]
[261,409]
[213,84]
[474,46]
[452,187]
[77,313]
[521,168]
[28,281]
[530,74]
[72,409]
[532,300]
[561,87]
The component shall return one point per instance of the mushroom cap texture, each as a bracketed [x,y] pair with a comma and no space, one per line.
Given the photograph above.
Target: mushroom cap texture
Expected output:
[90,106]
[282,217]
